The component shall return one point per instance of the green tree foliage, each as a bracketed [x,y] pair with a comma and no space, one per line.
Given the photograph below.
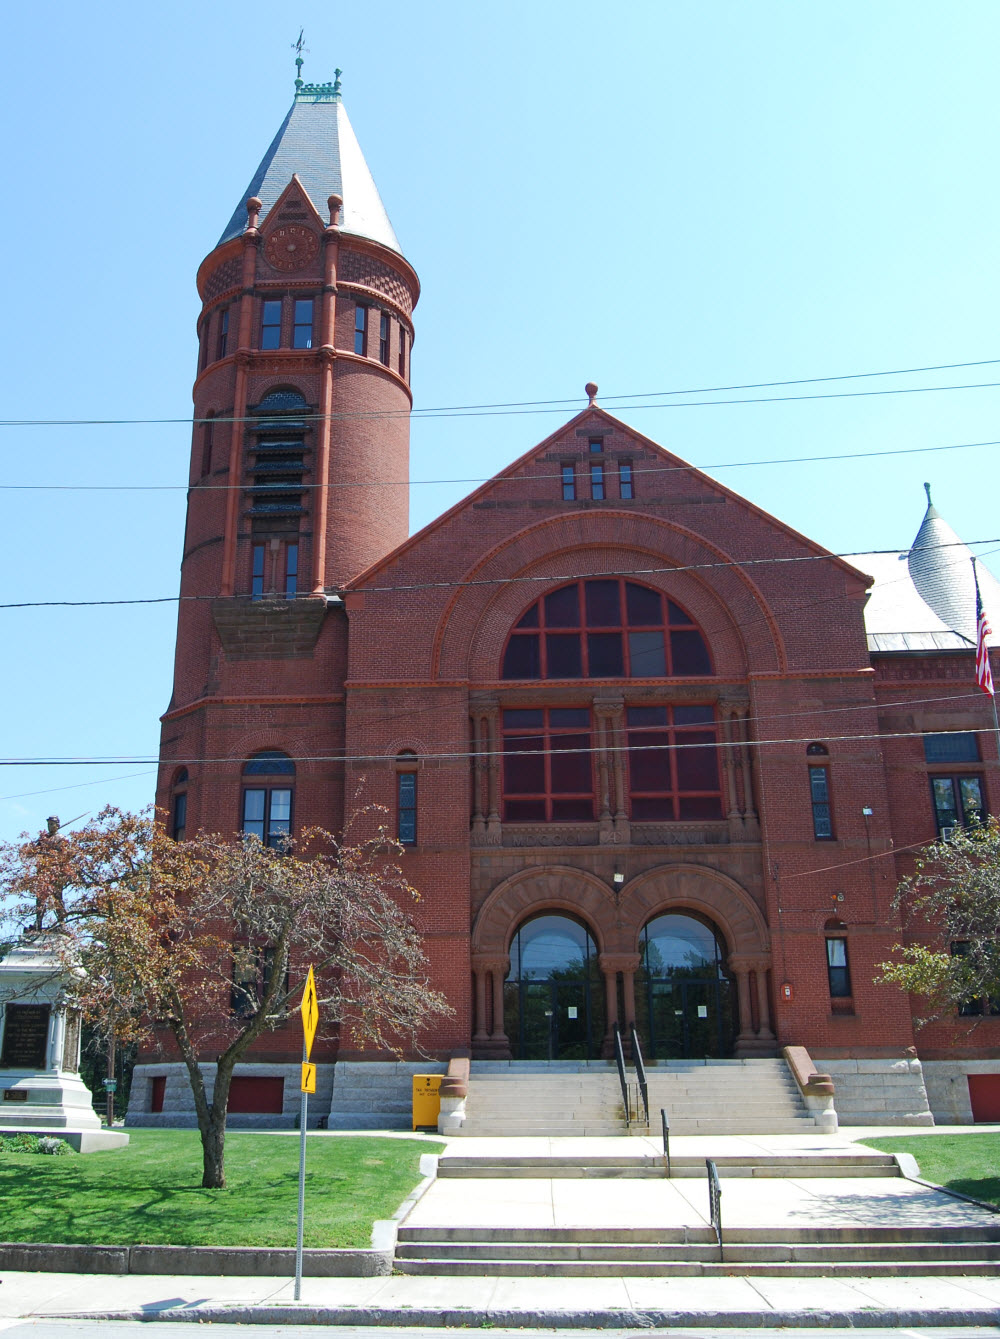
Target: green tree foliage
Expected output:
[951,909]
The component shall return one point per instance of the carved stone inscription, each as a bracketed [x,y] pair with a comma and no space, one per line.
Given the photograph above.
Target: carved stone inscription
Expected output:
[25,1036]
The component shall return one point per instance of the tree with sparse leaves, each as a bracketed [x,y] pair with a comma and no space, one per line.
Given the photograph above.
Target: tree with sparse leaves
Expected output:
[209,941]
[952,901]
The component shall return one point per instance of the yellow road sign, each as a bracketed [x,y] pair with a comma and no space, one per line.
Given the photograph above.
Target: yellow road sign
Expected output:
[310,1015]
[308,1078]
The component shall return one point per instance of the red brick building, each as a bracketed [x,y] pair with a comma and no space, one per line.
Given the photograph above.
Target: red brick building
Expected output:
[654,756]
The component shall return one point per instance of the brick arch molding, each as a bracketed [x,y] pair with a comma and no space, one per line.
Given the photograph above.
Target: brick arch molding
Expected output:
[728,605]
[721,900]
[544,888]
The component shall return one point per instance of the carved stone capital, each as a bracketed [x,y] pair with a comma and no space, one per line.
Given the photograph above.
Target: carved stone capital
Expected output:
[481,963]
[619,962]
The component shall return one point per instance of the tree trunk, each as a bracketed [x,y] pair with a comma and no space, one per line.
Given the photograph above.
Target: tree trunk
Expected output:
[213,1145]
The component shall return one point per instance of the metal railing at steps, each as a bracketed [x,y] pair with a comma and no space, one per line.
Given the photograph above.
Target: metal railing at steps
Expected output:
[640,1074]
[665,1124]
[620,1060]
[714,1201]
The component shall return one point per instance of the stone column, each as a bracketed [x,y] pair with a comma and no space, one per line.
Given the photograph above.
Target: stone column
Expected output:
[614,718]
[628,966]
[749,809]
[602,735]
[499,972]
[764,1032]
[480,1036]
[328,318]
[741,968]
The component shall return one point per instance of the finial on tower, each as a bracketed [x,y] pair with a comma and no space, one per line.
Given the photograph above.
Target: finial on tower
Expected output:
[336,82]
[591,390]
[927,490]
[254,206]
[336,204]
[298,47]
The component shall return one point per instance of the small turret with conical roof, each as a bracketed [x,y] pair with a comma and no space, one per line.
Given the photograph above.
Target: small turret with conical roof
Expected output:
[940,566]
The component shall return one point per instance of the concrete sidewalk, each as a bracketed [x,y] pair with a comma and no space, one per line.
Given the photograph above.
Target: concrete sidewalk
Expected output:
[549,1302]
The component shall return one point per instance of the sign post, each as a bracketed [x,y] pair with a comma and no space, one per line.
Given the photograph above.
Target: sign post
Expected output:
[310,1019]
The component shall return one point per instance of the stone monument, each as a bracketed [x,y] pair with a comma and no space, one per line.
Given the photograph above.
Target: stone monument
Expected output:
[41,1091]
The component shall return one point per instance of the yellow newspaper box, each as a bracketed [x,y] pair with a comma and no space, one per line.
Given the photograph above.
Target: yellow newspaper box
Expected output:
[426,1100]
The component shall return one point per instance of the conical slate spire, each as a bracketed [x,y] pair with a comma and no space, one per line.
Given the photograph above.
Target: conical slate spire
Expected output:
[317,143]
[940,567]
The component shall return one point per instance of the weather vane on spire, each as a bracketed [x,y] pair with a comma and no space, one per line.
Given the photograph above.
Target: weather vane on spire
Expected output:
[298,47]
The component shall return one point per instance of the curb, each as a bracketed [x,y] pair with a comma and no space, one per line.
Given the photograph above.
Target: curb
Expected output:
[467,1317]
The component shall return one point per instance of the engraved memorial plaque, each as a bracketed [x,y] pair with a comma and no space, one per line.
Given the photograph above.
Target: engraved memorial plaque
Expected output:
[25,1036]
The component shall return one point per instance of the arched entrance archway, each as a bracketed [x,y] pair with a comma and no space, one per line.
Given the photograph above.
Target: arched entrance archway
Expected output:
[684,1000]
[553,995]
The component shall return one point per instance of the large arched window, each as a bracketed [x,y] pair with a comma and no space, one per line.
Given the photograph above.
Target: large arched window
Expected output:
[685,1008]
[267,797]
[605,628]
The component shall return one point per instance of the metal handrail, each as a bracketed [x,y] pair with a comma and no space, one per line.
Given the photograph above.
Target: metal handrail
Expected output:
[665,1123]
[640,1073]
[714,1201]
[620,1058]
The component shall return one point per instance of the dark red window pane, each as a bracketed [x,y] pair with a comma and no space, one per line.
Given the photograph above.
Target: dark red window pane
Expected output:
[525,811]
[694,715]
[522,659]
[530,716]
[696,767]
[523,773]
[699,808]
[573,811]
[562,656]
[603,604]
[645,606]
[652,809]
[647,655]
[646,715]
[649,761]
[571,771]
[563,717]
[562,608]
[689,654]
[530,620]
[604,651]
[676,615]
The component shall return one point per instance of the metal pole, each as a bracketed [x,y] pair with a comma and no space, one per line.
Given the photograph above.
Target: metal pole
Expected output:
[303,1112]
[111,1075]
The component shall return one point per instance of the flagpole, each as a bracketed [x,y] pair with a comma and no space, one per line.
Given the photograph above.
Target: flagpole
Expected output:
[984,673]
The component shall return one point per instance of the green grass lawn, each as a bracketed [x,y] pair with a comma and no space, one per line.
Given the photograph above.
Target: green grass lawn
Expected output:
[150,1192]
[968,1163]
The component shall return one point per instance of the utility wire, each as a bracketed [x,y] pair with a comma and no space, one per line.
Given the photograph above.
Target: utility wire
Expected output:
[496,753]
[484,479]
[519,580]
[558,406]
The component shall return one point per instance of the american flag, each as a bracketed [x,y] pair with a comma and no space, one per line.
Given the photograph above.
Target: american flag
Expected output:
[984,675]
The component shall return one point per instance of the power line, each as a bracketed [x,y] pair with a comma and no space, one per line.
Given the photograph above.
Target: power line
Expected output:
[80,785]
[497,479]
[559,406]
[518,580]
[465,755]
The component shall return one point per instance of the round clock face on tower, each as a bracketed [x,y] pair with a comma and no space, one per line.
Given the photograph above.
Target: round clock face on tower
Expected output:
[291,247]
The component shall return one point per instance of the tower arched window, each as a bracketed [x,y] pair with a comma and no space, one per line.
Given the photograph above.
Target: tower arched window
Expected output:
[605,628]
[268,783]
[178,804]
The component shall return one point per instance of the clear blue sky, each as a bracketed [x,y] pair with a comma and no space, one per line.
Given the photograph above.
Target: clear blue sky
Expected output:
[654,195]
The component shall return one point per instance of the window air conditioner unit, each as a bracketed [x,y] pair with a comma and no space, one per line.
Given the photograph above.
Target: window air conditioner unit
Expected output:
[947,833]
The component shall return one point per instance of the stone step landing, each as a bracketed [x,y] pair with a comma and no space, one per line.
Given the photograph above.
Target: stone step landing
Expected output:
[693,1252]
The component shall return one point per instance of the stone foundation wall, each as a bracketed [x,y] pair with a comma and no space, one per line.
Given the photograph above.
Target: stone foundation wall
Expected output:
[948,1088]
[879,1092]
[350,1095]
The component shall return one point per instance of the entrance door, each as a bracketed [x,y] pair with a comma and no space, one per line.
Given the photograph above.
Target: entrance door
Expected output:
[684,1000]
[553,997]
